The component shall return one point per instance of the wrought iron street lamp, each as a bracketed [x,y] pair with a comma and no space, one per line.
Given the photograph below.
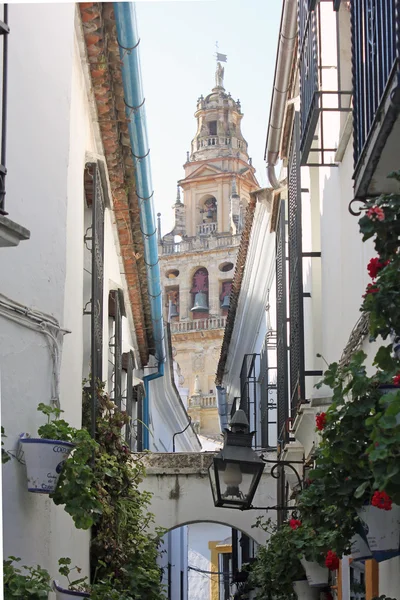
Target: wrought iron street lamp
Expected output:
[236,470]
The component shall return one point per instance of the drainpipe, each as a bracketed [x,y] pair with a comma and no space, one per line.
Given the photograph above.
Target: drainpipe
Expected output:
[283,66]
[128,39]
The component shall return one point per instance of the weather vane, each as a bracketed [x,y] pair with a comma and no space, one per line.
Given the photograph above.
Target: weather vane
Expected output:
[220,57]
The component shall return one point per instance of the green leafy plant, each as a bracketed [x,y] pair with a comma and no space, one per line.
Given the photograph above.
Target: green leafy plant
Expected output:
[55,428]
[78,585]
[99,486]
[5,456]
[29,583]
[101,590]
[76,488]
[122,546]
[277,564]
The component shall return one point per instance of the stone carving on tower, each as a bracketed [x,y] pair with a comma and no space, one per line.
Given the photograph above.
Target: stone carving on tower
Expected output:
[198,255]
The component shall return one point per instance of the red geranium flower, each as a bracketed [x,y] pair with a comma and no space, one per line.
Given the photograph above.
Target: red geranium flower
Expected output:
[375,265]
[294,523]
[320,421]
[371,289]
[382,500]
[376,214]
[332,561]
[396,379]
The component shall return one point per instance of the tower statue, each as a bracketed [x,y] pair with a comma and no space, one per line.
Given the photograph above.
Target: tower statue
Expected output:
[219,76]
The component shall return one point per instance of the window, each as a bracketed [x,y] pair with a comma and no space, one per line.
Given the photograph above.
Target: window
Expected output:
[212,127]
[94,242]
[116,310]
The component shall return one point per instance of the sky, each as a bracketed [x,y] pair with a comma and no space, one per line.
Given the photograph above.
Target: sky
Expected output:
[177,51]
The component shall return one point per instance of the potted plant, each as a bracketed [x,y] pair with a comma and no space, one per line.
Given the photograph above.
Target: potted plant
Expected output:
[80,588]
[313,550]
[27,583]
[277,571]
[77,588]
[45,456]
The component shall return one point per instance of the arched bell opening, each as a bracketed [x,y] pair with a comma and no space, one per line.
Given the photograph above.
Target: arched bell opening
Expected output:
[226,288]
[199,294]
[172,302]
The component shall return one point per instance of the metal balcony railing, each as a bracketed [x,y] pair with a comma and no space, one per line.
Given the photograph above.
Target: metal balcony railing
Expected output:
[376,61]
[320,92]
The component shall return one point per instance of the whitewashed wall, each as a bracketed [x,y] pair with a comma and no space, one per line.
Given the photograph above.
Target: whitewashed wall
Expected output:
[40,189]
[51,132]
[200,534]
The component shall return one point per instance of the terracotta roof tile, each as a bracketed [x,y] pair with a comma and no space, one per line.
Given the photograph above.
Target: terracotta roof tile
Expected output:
[100,36]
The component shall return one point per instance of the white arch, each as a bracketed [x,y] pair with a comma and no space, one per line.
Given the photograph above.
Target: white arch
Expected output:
[181,494]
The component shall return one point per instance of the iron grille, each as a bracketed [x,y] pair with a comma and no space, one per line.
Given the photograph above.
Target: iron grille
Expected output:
[282,495]
[116,309]
[281,319]
[267,380]
[375,28]
[235,554]
[248,392]
[128,364]
[4,31]
[95,199]
[139,393]
[309,84]
[296,319]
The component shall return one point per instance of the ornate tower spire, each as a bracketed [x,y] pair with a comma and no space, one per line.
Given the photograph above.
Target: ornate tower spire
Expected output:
[218,123]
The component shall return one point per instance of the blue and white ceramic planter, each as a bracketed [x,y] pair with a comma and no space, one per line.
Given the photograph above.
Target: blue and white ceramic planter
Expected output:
[359,548]
[382,530]
[317,576]
[63,594]
[44,460]
[304,592]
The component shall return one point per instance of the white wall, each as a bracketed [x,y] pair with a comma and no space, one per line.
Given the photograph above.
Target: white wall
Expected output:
[200,534]
[51,132]
[40,118]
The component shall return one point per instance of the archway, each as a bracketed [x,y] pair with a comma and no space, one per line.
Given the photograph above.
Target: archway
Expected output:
[210,556]
[181,493]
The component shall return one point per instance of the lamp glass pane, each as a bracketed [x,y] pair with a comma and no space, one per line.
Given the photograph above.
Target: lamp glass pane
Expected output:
[237,481]
[211,474]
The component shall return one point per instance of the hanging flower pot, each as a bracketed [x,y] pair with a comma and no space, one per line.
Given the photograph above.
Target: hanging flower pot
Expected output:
[303,590]
[381,527]
[359,547]
[63,594]
[44,460]
[317,576]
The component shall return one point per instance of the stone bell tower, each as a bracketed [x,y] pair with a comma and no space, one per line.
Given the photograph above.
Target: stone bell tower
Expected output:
[198,256]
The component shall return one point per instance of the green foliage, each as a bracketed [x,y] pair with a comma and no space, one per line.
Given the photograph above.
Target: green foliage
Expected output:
[5,457]
[76,487]
[99,486]
[77,585]
[29,583]
[122,547]
[277,565]
[56,428]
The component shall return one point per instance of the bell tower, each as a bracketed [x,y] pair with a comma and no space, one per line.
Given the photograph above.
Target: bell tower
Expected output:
[198,256]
